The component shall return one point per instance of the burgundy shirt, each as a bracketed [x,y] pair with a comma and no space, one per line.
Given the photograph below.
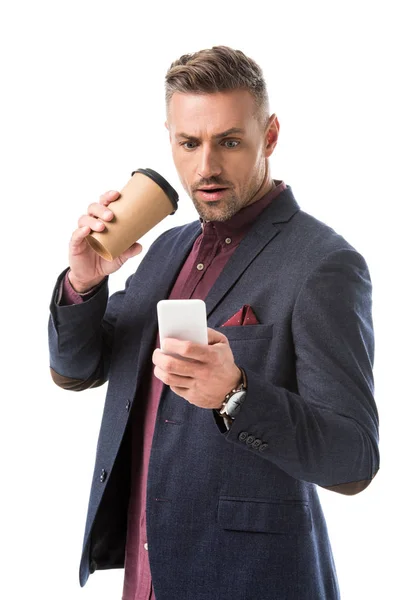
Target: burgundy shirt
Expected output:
[210,253]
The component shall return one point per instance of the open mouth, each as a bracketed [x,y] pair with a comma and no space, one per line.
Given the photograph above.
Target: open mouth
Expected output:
[212,194]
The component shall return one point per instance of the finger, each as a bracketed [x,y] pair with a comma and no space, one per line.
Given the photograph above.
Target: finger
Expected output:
[108,197]
[180,391]
[134,250]
[189,350]
[173,380]
[200,352]
[92,222]
[215,337]
[100,211]
[177,366]
[79,235]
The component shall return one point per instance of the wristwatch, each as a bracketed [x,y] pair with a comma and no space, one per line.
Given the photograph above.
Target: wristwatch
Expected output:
[234,399]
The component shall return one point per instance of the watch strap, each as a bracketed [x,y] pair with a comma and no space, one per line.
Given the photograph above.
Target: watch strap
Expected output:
[240,388]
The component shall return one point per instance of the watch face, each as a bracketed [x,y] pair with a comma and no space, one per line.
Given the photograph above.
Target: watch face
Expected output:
[234,403]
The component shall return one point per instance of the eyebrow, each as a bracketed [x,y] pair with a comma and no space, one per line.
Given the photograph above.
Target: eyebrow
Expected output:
[217,136]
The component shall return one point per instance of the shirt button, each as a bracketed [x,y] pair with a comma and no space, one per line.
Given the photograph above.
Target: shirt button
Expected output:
[103,475]
[228,241]
[200,267]
[128,404]
[146,546]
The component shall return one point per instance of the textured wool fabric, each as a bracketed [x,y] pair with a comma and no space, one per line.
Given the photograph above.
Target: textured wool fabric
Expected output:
[212,250]
[233,514]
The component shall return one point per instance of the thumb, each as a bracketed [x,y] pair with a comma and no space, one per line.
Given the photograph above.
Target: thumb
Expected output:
[132,251]
[215,337]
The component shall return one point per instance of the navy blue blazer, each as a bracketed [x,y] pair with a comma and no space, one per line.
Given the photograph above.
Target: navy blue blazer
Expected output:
[228,518]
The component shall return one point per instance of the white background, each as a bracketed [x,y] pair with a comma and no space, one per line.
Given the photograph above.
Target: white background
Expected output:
[81,107]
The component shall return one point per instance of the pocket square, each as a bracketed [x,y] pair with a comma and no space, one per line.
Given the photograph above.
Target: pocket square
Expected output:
[244,316]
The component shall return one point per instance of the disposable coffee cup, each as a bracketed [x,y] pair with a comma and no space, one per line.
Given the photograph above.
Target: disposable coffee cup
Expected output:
[145,200]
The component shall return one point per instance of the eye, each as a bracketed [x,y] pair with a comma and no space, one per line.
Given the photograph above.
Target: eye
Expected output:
[189,145]
[231,143]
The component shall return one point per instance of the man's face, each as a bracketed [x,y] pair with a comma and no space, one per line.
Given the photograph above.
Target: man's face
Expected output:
[219,143]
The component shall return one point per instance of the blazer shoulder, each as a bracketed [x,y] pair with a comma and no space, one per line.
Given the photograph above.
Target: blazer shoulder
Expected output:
[309,237]
[314,240]
[178,233]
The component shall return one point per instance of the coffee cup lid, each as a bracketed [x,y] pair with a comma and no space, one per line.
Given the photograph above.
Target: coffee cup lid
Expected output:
[164,185]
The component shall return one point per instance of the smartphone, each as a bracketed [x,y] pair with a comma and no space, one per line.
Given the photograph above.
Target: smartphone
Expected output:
[183,320]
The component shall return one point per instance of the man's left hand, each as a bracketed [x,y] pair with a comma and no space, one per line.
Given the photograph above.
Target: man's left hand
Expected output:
[201,374]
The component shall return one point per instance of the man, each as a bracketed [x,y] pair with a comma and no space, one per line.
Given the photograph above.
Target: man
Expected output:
[195,496]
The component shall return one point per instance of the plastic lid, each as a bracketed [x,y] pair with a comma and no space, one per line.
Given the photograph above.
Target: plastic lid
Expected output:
[164,185]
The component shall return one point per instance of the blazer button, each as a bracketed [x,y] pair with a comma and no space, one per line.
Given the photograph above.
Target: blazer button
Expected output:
[250,440]
[256,444]
[103,476]
[128,404]
[243,436]
[263,447]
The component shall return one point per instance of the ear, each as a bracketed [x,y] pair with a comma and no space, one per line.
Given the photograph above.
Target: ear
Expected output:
[167,128]
[271,135]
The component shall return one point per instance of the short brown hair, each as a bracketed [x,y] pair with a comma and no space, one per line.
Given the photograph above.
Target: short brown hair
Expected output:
[215,70]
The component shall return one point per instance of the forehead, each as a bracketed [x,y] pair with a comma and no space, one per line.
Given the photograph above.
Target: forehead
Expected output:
[206,114]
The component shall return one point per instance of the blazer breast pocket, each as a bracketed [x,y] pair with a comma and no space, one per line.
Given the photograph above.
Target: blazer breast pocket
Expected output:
[250,344]
[246,332]
[262,516]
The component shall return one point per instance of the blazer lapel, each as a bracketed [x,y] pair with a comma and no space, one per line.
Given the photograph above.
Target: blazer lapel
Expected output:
[165,266]
[263,231]
[157,278]
[154,284]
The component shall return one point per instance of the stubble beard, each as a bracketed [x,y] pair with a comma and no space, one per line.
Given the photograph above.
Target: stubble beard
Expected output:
[220,210]
[225,209]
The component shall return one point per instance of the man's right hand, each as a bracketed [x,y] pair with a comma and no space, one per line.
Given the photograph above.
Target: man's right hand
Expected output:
[87,268]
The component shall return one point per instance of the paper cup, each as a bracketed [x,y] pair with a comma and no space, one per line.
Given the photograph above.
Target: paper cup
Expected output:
[146,200]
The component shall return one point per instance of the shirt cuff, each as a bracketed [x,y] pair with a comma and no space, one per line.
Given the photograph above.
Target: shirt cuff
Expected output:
[68,296]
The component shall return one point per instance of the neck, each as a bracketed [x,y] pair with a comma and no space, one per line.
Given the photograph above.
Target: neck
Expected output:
[267,185]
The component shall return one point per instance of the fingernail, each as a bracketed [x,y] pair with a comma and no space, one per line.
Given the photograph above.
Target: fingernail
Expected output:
[107,214]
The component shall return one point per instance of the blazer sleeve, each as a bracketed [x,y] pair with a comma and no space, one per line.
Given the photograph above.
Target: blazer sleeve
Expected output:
[81,337]
[326,431]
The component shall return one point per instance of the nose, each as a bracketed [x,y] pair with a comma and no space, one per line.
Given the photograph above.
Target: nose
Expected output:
[209,165]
